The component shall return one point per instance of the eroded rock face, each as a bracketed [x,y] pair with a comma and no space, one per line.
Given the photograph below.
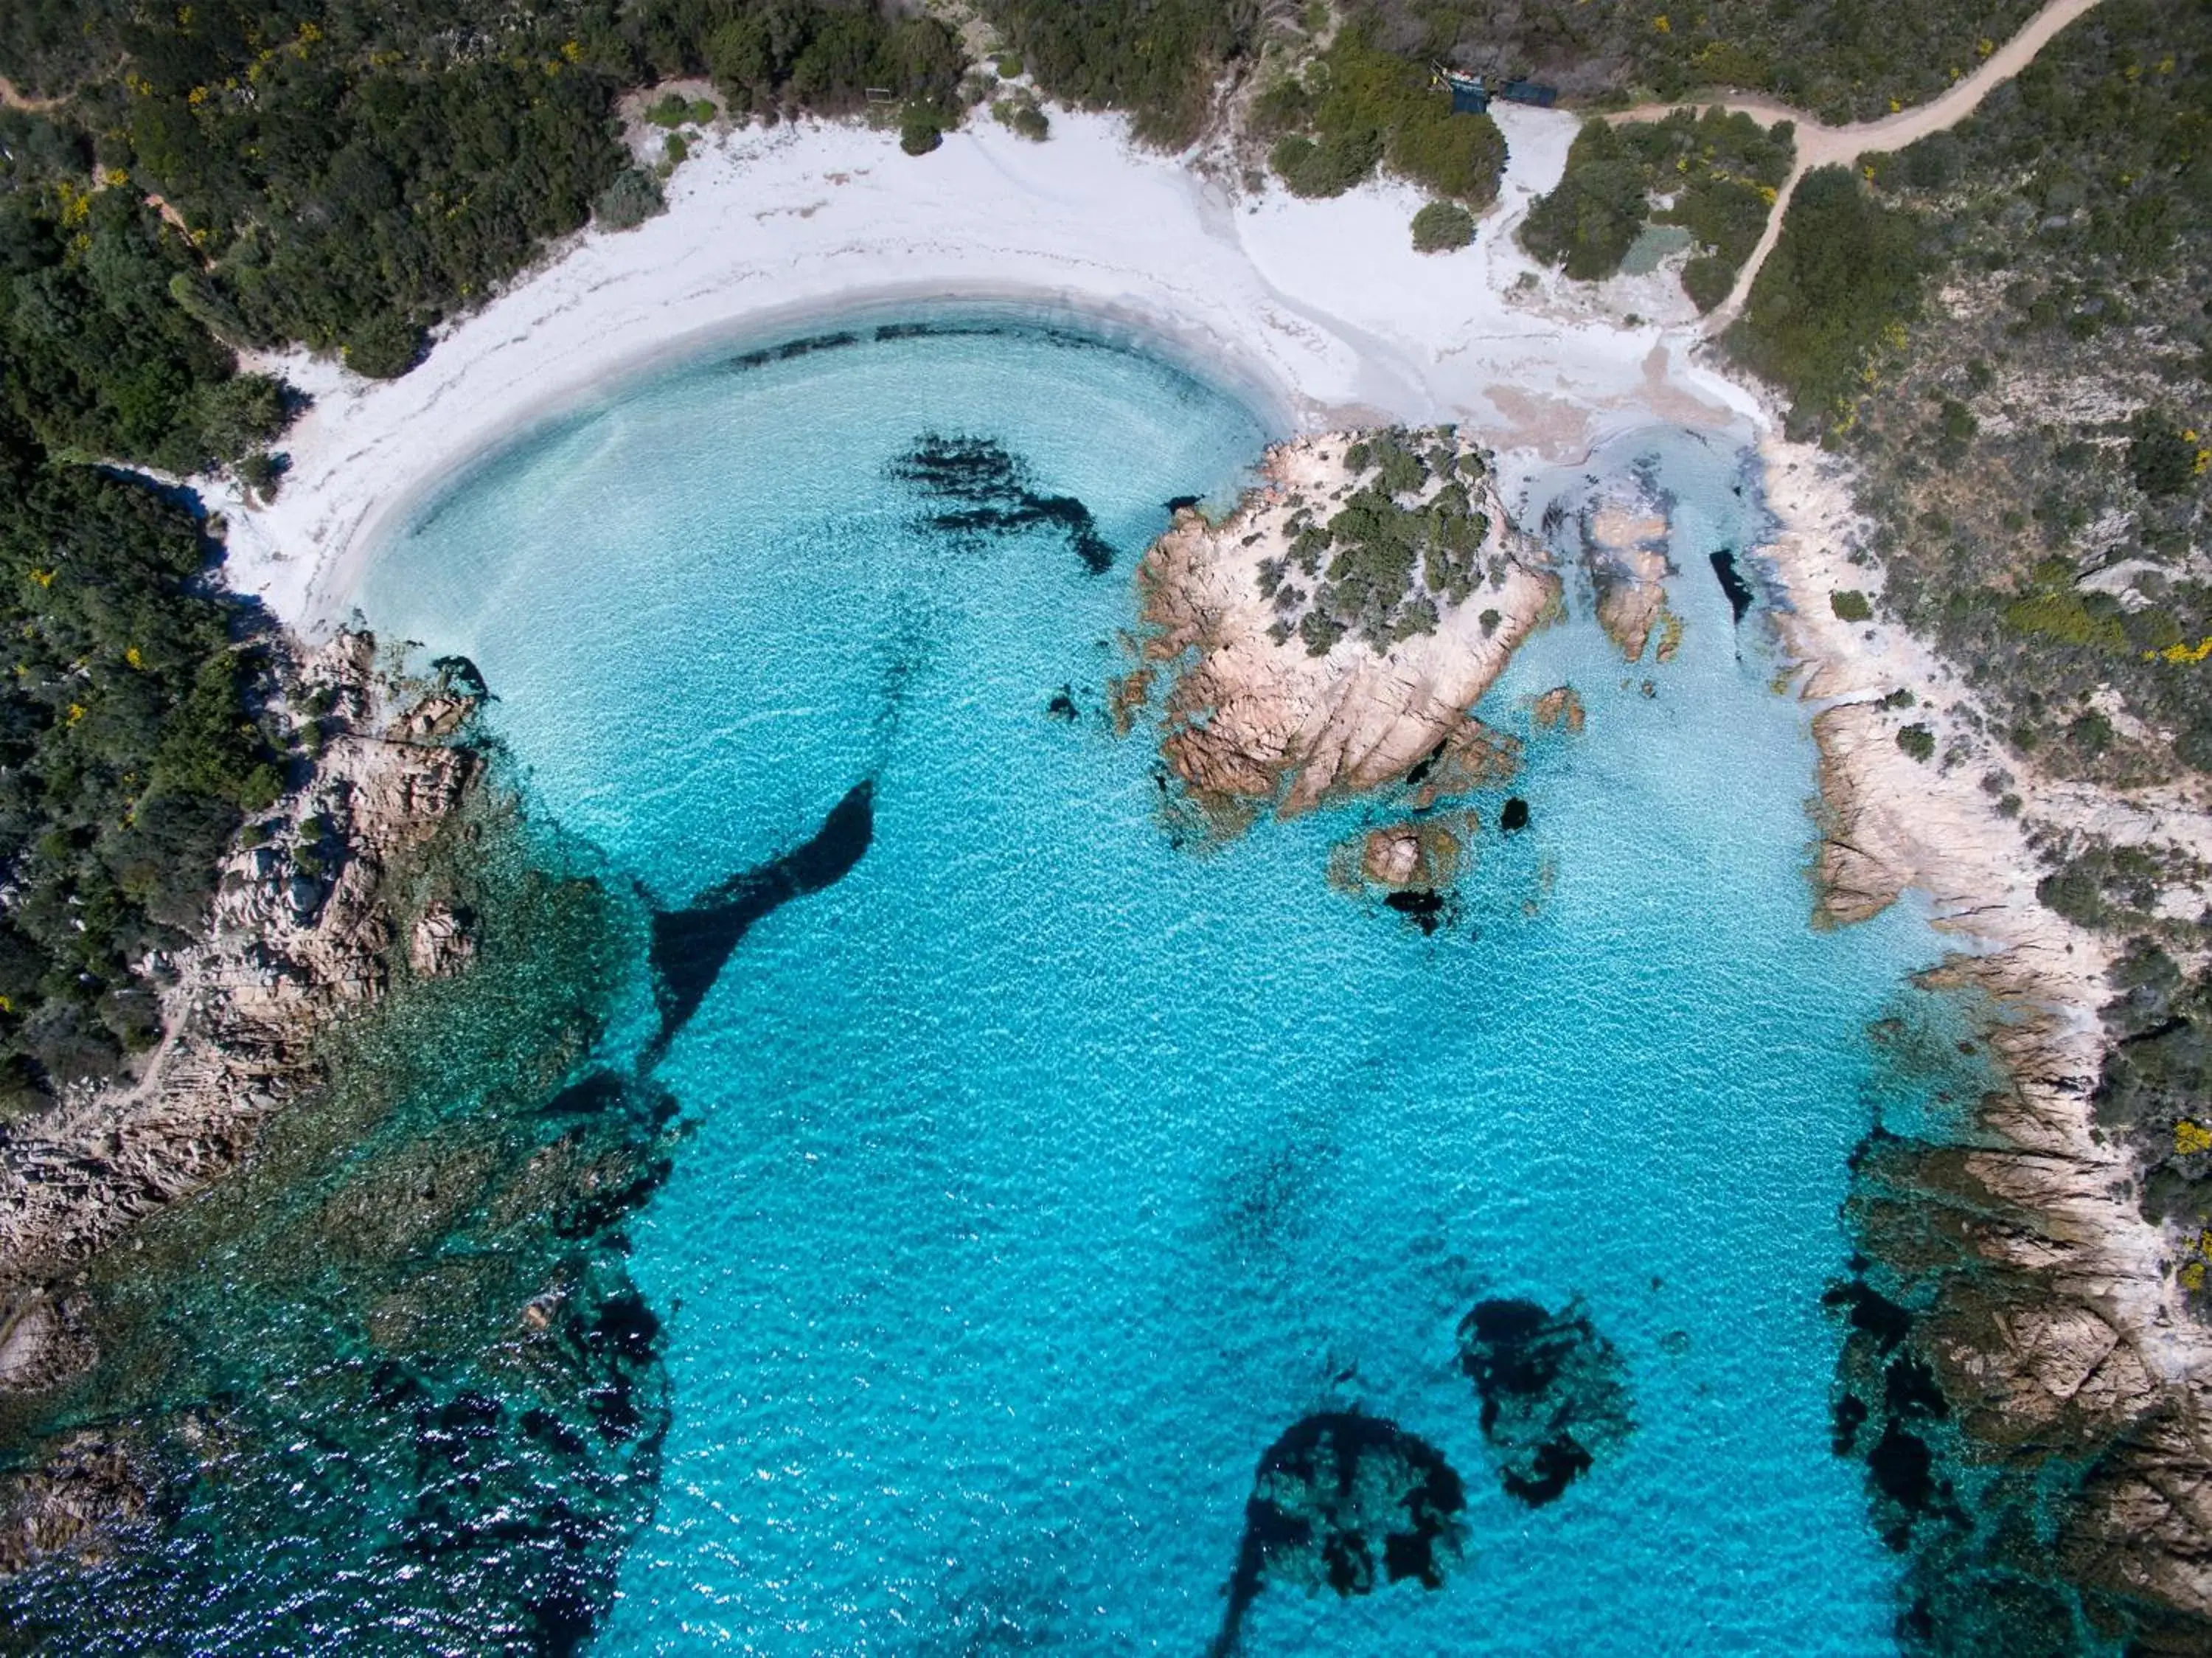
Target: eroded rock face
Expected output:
[1554,1393]
[2030,1449]
[1348,1503]
[1263,716]
[1624,550]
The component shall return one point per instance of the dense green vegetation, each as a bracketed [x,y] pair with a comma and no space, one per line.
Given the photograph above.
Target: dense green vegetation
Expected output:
[1156,59]
[1832,297]
[1439,227]
[351,175]
[1840,60]
[1406,541]
[127,757]
[1358,105]
[1718,173]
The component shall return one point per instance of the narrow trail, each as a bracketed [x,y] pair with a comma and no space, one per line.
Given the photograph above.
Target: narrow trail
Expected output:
[1831,146]
[11,99]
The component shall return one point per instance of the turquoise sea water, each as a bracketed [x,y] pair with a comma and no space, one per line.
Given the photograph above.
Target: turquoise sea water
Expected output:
[1043,1170]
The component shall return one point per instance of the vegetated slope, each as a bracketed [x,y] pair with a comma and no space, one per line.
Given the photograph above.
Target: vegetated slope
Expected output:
[128,756]
[1840,60]
[2007,326]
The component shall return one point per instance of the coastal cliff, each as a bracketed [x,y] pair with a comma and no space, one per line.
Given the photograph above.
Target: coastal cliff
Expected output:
[1330,635]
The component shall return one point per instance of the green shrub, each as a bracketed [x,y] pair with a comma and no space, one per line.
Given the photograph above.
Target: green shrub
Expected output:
[1585,225]
[921,129]
[1440,226]
[386,347]
[2160,459]
[674,150]
[1850,605]
[1329,167]
[1022,116]
[1917,740]
[633,197]
[672,110]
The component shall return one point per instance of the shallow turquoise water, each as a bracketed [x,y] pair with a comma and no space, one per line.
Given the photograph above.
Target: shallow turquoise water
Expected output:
[1044,1171]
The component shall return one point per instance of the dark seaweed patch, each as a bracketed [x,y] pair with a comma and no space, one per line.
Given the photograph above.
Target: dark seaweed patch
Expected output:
[460,675]
[791,349]
[1740,595]
[988,490]
[1336,1492]
[1554,1393]
[1515,815]
[1420,905]
[691,945]
[1062,705]
[1177,503]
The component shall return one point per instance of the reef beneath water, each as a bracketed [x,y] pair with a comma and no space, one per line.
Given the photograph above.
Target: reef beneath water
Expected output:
[390,1354]
[1347,1502]
[1554,1393]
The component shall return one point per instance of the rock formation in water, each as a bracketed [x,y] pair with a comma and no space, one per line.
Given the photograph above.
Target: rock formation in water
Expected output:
[1331,635]
[1554,1393]
[1345,1502]
[691,945]
[1626,555]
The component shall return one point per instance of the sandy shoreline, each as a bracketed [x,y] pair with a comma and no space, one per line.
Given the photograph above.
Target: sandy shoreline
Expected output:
[1319,312]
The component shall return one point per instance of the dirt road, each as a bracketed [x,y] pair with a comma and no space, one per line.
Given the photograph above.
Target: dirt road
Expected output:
[1833,146]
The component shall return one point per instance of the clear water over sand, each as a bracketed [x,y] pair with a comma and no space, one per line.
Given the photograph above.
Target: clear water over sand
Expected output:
[1042,1170]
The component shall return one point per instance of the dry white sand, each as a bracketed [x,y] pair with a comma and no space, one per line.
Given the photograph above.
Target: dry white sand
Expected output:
[1320,310]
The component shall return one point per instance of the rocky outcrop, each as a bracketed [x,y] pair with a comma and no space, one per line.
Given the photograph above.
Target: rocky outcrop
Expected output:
[74,1504]
[2017,1280]
[1625,554]
[302,932]
[1261,716]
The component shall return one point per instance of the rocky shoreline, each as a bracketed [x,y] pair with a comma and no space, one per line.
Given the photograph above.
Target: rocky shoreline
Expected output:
[1267,710]
[2053,1481]
[302,923]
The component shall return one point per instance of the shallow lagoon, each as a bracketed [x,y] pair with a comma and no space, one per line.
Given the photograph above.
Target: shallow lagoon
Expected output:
[1044,1170]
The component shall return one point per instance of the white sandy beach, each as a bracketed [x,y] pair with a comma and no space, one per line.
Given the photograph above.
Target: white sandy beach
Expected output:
[1321,310]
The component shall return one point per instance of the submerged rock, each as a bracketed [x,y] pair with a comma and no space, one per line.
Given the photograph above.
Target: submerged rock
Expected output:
[1559,709]
[1345,1502]
[691,945]
[985,489]
[1554,1393]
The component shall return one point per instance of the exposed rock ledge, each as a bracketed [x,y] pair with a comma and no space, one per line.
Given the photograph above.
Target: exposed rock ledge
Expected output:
[301,932]
[1256,716]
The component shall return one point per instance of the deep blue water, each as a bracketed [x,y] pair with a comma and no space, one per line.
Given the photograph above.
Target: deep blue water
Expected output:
[1043,1170]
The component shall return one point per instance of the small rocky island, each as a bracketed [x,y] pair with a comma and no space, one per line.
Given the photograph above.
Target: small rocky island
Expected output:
[1330,635]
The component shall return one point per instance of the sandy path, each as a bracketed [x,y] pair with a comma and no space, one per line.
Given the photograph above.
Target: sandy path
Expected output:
[1840,146]
[12,99]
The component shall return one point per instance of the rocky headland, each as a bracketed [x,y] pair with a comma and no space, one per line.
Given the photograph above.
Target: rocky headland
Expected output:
[301,932]
[1328,638]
